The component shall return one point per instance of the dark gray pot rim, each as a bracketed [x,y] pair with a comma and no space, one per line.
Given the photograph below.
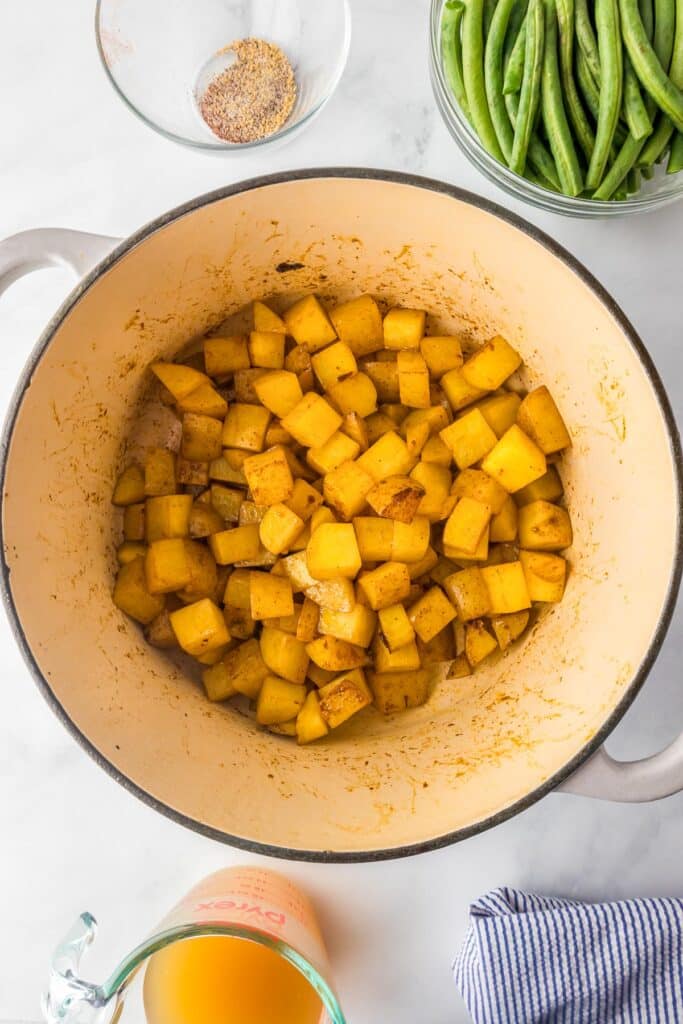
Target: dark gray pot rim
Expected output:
[332,856]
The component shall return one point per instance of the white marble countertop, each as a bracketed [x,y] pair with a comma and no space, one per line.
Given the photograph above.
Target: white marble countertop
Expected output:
[71,838]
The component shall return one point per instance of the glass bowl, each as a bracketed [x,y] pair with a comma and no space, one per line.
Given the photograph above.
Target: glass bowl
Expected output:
[658,191]
[160,54]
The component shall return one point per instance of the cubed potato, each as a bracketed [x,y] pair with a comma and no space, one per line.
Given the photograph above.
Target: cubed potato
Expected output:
[269,477]
[279,528]
[436,453]
[284,728]
[395,411]
[134,521]
[167,516]
[544,527]
[507,587]
[377,425]
[338,449]
[438,650]
[397,497]
[436,481]
[333,551]
[245,427]
[479,643]
[416,437]
[239,622]
[244,384]
[130,550]
[307,625]
[460,667]
[385,585]
[159,632]
[200,627]
[469,593]
[515,461]
[304,500]
[441,569]
[298,359]
[500,411]
[296,569]
[356,627]
[204,520]
[458,391]
[267,349]
[466,525]
[359,324]
[250,512]
[388,456]
[130,486]
[508,628]
[346,488]
[384,376]
[238,589]
[545,575]
[413,379]
[179,379]
[194,474]
[333,363]
[284,654]
[404,328]
[504,525]
[309,324]
[402,659]
[397,691]
[431,613]
[239,545]
[319,676]
[547,488]
[159,472]
[441,354]
[227,502]
[279,700]
[265,319]
[306,381]
[422,568]
[225,355]
[132,596]
[410,540]
[338,594]
[312,421]
[436,417]
[287,623]
[539,417]
[204,401]
[279,391]
[298,468]
[375,538]
[470,438]
[222,469]
[354,427]
[203,573]
[334,655]
[276,434]
[491,364]
[270,596]
[343,697]
[310,724]
[395,626]
[217,682]
[243,671]
[474,483]
[356,394]
[480,554]
[320,516]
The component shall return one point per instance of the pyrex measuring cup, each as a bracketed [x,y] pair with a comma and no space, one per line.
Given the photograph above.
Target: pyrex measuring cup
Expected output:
[251,904]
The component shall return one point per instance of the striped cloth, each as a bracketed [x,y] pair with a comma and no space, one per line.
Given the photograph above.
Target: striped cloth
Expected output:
[531,959]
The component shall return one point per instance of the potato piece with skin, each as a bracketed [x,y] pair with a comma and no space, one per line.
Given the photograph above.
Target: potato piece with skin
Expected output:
[544,527]
[388,584]
[130,550]
[403,328]
[474,483]
[395,626]
[267,349]
[356,627]
[507,587]
[515,461]
[385,378]
[244,383]
[310,724]
[500,411]
[159,632]
[312,421]
[402,659]
[217,682]
[130,486]
[227,502]
[284,728]
[470,438]
[159,473]
[436,453]
[540,418]
[333,551]
[397,691]
[346,488]
[547,488]
[265,319]
[221,469]
[298,359]
[436,481]
[354,427]
[203,573]
[441,354]
[460,667]
[458,391]
[304,500]
[413,380]
[205,401]
[309,324]
[479,643]
[132,596]
[491,364]
[338,449]
[167,516]
[224,355]
[375,538]
[343,697]
[240,624]
[410,541]
[397,497]
[356,394]
[333,363]
[279,391]
[319,676]
[134,521]
[431,613]
[269,477]
[467,590]
[359,324]
[466,524]
[508,628]
[337,594]
[238,545]
[545,575]
[307,626]
[377,425]
[279,528]
[388,456]
[284,654]
[270,596]
[279,700]
[438,650]
[334,655]
[245,427]
[504,525]
[200,627]
[180,380]
[194,474]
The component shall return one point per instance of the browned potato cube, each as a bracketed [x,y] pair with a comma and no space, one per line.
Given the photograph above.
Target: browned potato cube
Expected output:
[466,525]
[545,575]
[284,654]
[130,486]
[469,593]
[159,632]
[474,483]
[205,401]
[359,324]
[385,585]
[167,516]
[343,697]
[312,421]
[222,469]
[225,355]
[544,527]
[480,554]
[167,567]
[397,497]
[333,551]
[267,349]
[239,545]
[478,642]
[540,418]
[159,472]
[385,378]
[413,380]
[424,567]
[203,579]
[354,427]
[180,380]
[240,624]
[458,391]
[346,488]
[515,461]
[441,354]
[238,589]
[436,481]
[266,320]
[279,700]
[245,427]
[356,394]
[279,391]
[244,383]
[396,627]
[397,691]
[402,659]
[307,625]
[333,363]
[377,425]
[509,627]
[334,655]
[355,627]
[388,456]
[269,476]
[507,587]
[270,596]
[134,522]
[217,682]
[470,438]
[459,668]
[437,650]
[309,324]
[279,528]
[194,474]
[132,596]
[431,613]
[310,724]
[403,328]
[245,670]
[200,627]
[491,364]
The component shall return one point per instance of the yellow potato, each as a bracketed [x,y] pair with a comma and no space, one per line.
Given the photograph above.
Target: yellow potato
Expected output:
[130,486]
[397,497]
[200,627]
[544,527]
[397,691]
[404,328]
[431,613]
[279,391]
[310,724]
[515,461]
[359,324]
[333,551]
[343,697]
[386,585]
[309,324]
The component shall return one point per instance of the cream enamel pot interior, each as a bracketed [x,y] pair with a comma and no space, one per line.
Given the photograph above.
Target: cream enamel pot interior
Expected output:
[484,747]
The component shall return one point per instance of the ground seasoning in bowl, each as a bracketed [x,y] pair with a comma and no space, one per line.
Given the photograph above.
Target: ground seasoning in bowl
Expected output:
[253,97]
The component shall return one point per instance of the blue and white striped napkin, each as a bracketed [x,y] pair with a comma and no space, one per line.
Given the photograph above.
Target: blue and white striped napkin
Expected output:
[531,959]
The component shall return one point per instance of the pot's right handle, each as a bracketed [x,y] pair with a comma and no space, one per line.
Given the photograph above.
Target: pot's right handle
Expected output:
[651,778]
[51,247]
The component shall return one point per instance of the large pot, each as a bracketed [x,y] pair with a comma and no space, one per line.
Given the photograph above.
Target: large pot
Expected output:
[483,748]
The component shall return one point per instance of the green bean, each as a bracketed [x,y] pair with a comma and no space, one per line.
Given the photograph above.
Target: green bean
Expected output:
[647,15]
[585,36]
[666,94]
[515,64]
[590,91]
[451,52]
[675,163]
[489,10]
[530,92]
[626,158]
[493,76]
[552,107]
[670,54]
[635,111]
[663,37]
[539,157]
[582,129]
[473,75]
[514,26]
[611,79]
[632,181]
[647,172]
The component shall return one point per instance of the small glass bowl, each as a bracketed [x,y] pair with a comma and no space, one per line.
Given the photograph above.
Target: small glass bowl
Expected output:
[661,189]
[160,54]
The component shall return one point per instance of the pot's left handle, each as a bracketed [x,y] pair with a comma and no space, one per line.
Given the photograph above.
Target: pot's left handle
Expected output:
[51,247]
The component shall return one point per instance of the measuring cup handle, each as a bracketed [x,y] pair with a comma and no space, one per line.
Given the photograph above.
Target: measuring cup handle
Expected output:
[651,778]
[32,250]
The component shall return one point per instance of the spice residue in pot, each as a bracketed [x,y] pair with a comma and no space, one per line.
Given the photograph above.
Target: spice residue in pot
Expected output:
[253,97]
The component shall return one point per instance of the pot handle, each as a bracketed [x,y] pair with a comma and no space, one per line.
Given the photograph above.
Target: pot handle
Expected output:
[651,778]
[51,247]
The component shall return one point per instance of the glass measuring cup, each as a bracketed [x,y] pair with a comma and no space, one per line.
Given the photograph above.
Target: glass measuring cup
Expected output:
[251,904]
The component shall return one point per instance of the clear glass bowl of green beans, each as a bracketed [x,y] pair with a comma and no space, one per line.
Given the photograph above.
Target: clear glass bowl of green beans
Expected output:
[575,106]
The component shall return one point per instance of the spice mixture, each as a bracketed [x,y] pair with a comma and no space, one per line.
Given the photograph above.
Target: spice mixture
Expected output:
[253,97]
